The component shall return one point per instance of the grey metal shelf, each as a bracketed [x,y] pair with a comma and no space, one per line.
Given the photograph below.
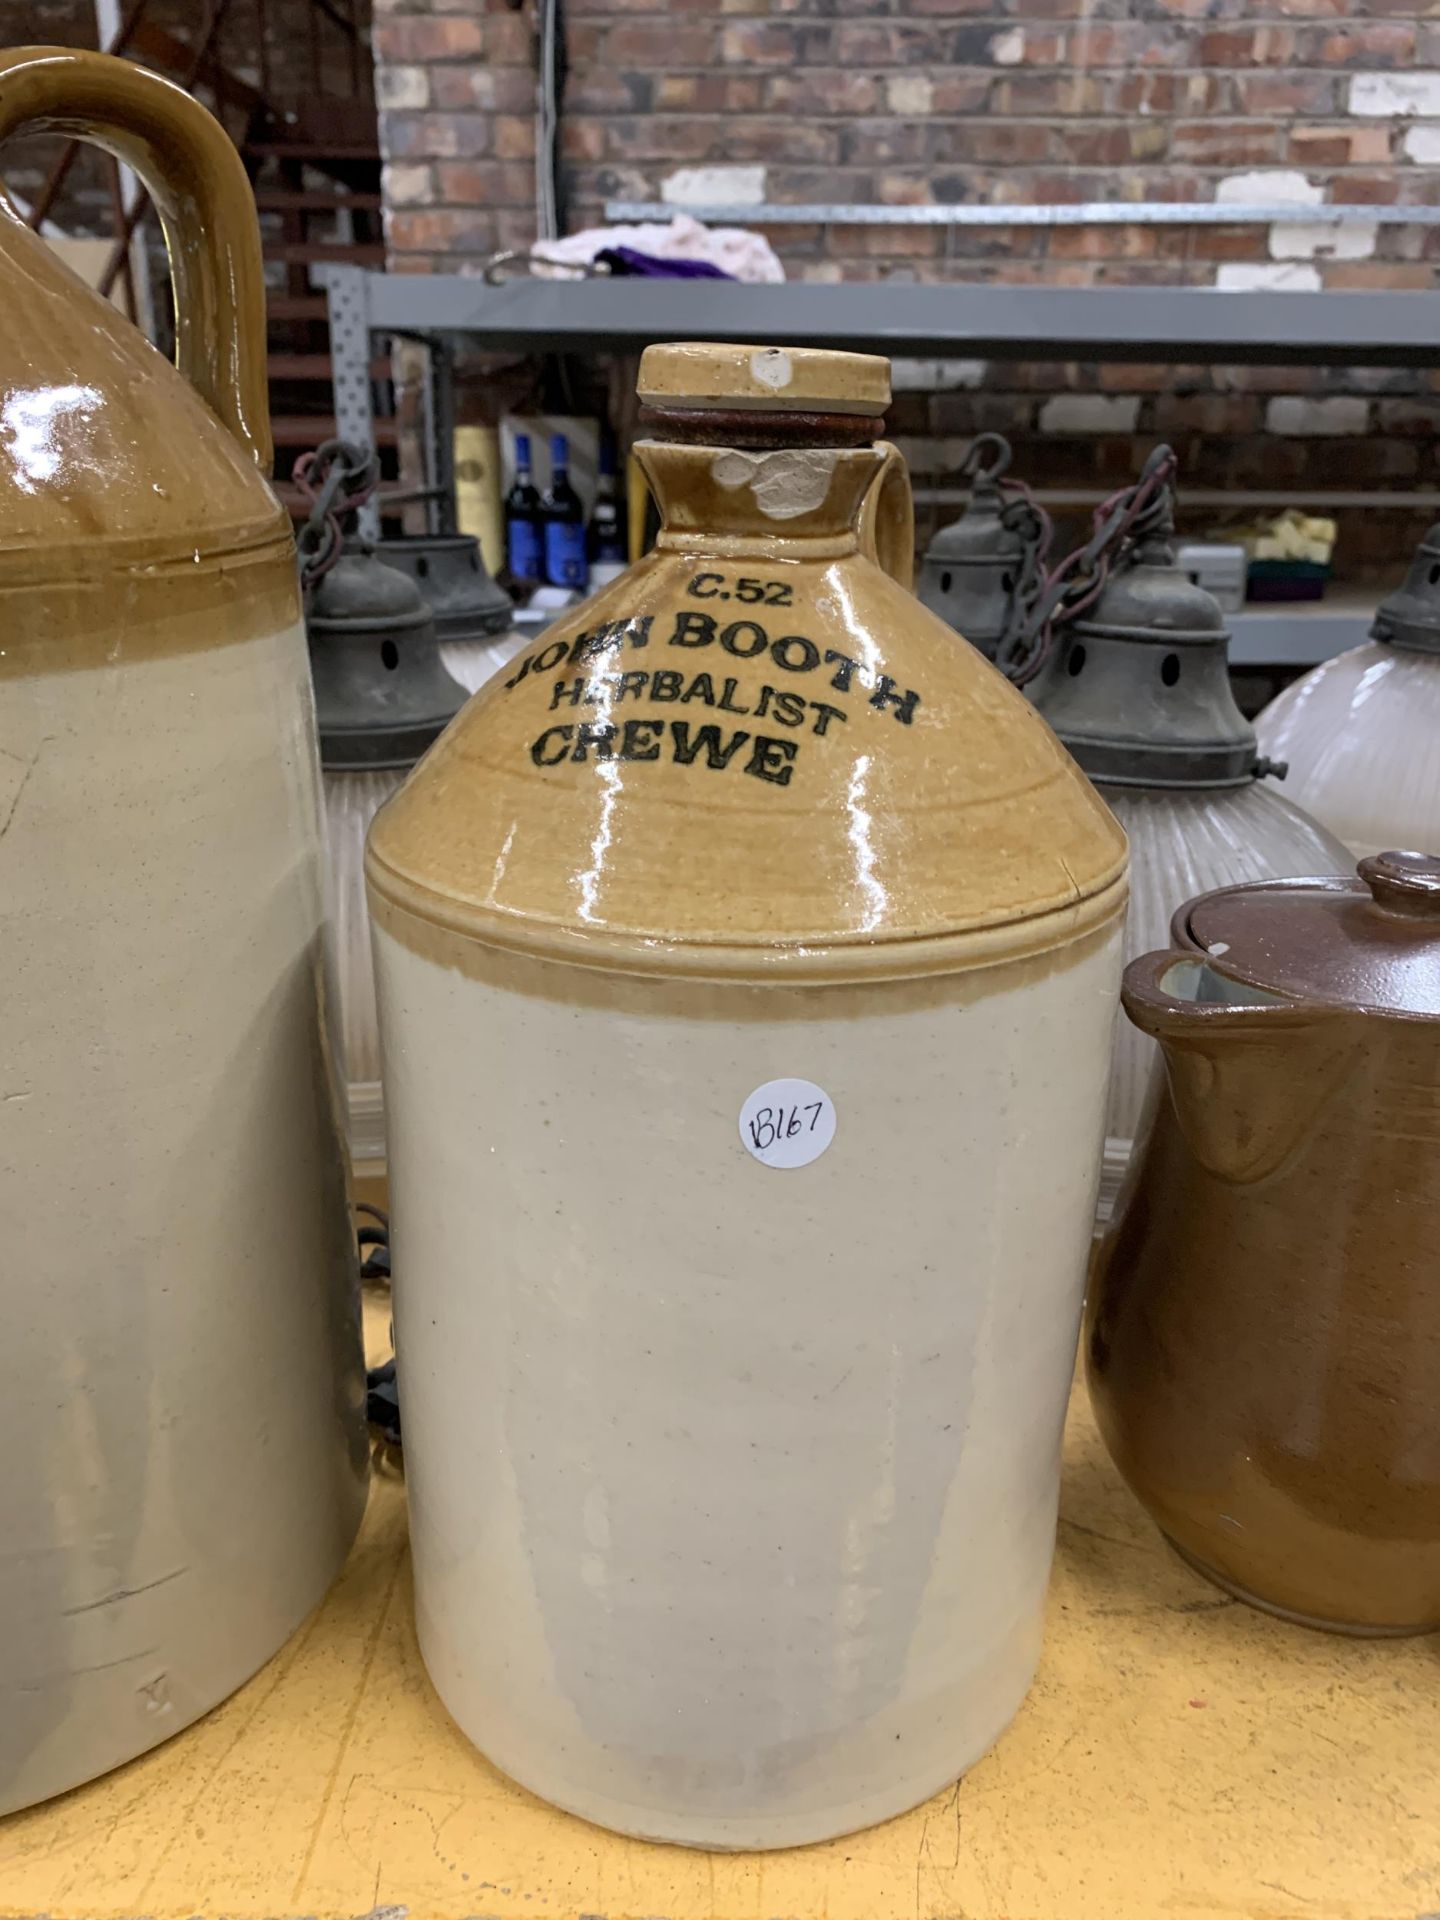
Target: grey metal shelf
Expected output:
[1171,324]
[1156,324]
[1056,213]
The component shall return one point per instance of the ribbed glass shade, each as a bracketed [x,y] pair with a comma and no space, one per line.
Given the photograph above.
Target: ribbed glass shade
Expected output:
[351,803]
[1182,844]
[472,662]
[1362,736]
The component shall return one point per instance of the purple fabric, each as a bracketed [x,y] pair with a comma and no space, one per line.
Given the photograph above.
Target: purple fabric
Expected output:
[628,263]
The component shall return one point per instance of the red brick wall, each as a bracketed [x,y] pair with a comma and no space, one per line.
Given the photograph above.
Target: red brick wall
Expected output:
[933,101]
[988,101]
[456,88]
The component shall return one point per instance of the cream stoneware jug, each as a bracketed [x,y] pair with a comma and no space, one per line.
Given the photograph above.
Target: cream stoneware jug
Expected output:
[181,1370]
[747,957]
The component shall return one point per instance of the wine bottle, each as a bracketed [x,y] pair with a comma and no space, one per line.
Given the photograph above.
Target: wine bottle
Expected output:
[607,534]
[524,545]
[564,522]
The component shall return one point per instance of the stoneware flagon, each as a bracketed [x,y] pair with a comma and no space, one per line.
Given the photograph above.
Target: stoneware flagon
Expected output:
[1263,1332]
[182,1380]
[747,958]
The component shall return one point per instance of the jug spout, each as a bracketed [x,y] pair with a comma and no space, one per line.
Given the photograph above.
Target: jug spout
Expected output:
[1250,1072]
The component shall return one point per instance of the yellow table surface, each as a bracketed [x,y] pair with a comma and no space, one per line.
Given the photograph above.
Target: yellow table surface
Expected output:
[1179,1757]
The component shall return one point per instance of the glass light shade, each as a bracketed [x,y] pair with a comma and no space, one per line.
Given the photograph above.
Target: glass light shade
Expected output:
[352,799]
[351,803]
[1362,736]
[1183,843]
[472,662]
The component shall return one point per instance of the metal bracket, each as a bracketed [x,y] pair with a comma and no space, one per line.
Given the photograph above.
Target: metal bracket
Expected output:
[347,290]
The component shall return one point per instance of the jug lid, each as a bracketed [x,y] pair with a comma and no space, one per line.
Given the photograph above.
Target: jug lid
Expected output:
[1369,942]
[705,375]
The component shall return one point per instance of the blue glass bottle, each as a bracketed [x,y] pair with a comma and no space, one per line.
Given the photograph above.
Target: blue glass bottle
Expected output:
[524,542]
[566,564]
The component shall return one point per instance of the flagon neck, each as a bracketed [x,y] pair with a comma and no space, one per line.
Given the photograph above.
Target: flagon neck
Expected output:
[786,494]
[763,428]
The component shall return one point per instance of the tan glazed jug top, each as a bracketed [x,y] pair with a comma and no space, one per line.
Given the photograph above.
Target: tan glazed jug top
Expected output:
[755,752]
[111,462]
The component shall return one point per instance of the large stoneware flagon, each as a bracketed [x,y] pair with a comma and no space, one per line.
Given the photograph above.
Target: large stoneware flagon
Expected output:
[747,957]
[181,1365]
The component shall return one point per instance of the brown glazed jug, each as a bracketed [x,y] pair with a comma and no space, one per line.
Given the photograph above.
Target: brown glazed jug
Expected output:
[180,1366]
[1263,1333]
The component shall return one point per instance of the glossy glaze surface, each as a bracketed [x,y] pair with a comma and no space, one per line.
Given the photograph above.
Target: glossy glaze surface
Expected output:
[1264,1329]
[182,1352]
[203,198]
[107,460]
[733,1490]
[754,752]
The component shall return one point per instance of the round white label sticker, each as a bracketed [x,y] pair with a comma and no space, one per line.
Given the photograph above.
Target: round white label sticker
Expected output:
[787,1123]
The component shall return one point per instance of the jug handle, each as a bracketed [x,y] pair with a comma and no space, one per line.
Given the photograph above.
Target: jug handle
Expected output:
[887,517]
[1249,1083]
[198,184]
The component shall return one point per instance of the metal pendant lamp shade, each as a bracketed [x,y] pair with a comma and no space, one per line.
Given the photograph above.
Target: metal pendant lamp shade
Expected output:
[1362,731]
[474,618]
[973,570]
[1138,689]
[382,696]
